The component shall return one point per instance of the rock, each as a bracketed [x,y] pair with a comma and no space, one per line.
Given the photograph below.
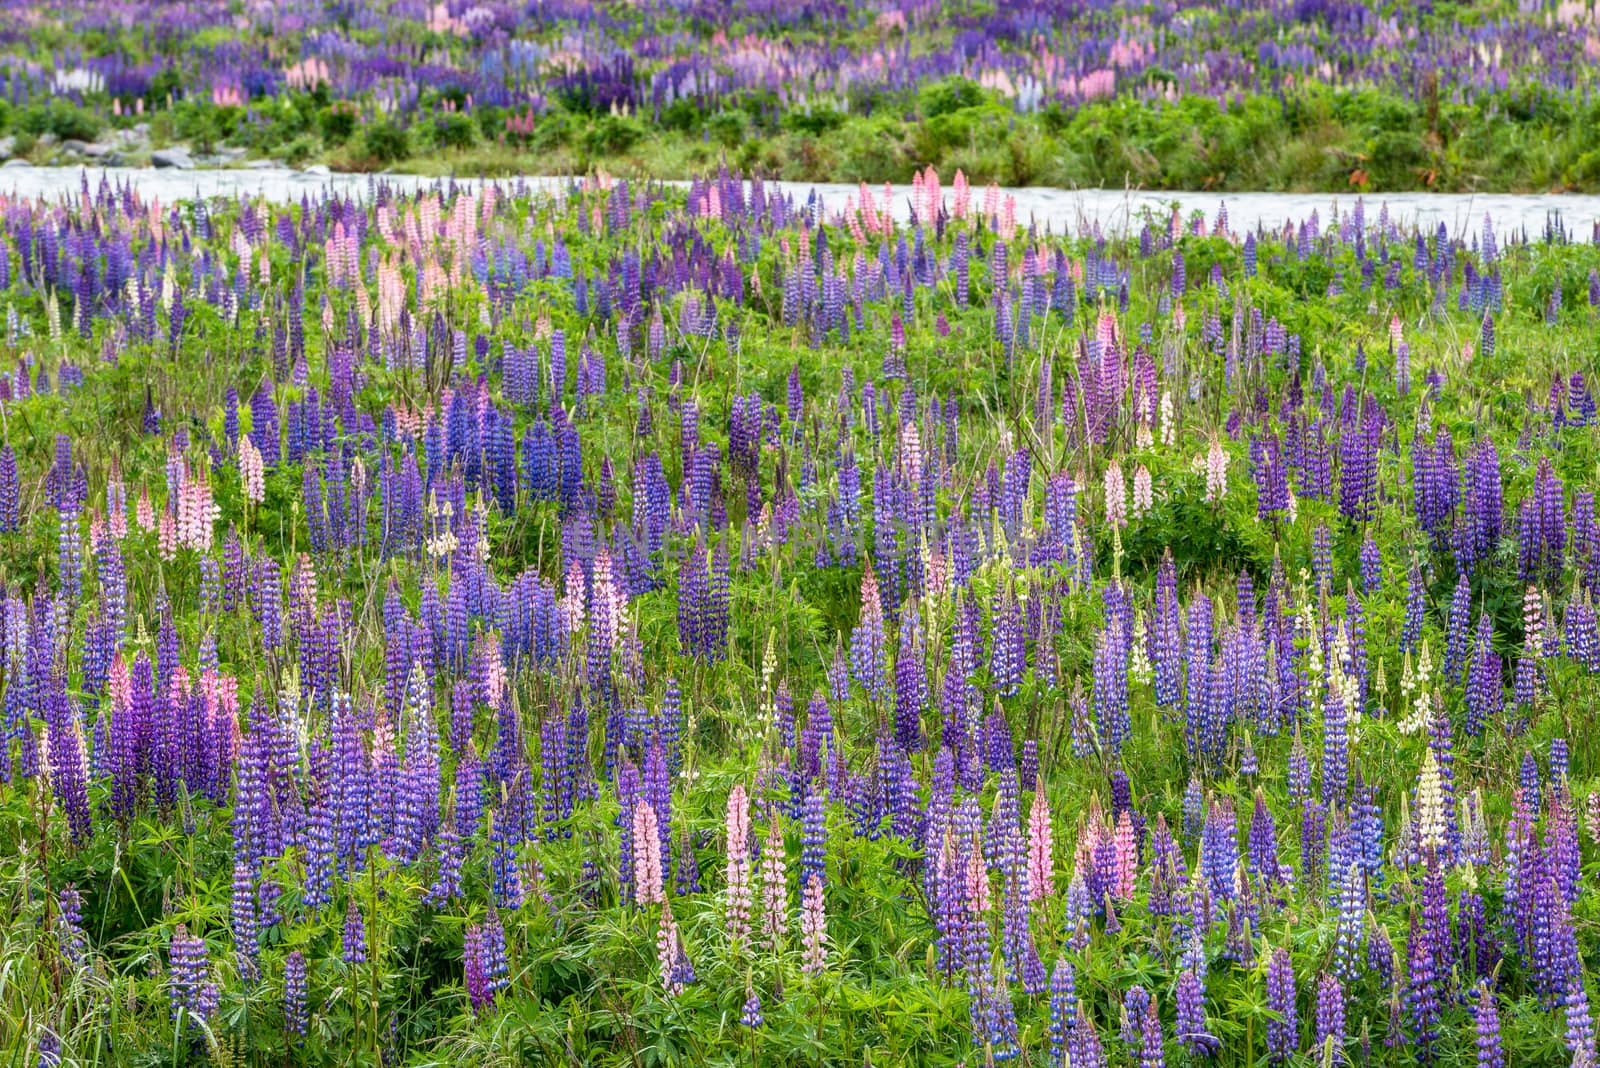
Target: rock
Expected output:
[92,149]
[8,145]
[317,170]
[172,159]
[16,163]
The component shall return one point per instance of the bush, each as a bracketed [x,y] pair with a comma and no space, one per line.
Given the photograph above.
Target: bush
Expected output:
[610,135]
[727,127]
[814,120]
[454,131]
[952,94]
[386,143]
[337,123]
[66,121]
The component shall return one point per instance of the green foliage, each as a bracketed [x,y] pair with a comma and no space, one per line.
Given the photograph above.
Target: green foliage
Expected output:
[609,135]
[65,120]
[949,95]
[454,131]
[386,143]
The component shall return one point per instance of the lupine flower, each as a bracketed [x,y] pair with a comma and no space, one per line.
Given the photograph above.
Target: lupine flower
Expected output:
[1192,1031]
[355,935]
[1283,1032]
[294,993]
[813,928]
[189,982]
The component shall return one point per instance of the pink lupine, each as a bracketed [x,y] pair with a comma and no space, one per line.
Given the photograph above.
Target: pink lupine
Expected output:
[977,880]
[167,537]
[813,928]
[144,512]
[572,606]
[252,474]
[774,888]
[196,513]
[1116,496]
[739,894]
[1216,468]
[1127,856]
[667,951]
[1041,858]
[647,880]
[116,505]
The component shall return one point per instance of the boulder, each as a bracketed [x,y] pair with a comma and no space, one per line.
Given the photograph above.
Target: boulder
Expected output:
[172,159]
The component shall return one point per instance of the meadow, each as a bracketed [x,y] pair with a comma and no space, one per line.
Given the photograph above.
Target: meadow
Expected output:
[1313,95]
[650,626]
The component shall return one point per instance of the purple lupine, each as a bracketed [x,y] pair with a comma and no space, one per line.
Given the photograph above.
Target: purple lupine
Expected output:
[869,655]
[295,1019]
[1486,1024]
[1485,688]
[1422,995]
[189,983]
[1371,566]
[1478,520]
[10,491]
[1457,627]
[1193,1034]
[1283,1030]
[354,943]
[1541,527]
[1063,1010]
[1330,1017]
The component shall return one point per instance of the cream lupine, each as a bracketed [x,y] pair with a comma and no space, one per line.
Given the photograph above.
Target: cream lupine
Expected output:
[1430,822]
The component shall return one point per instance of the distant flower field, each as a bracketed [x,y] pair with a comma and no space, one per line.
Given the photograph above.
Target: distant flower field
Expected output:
[652,626]
[1314,94]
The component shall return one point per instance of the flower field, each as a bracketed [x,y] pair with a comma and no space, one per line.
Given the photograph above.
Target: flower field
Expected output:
[1249,95]
[659,626]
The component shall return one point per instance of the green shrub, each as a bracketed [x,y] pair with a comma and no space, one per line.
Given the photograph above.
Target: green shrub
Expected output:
[337,124]
[454,131]
[610,135]
[952,94]
[386,143]
[65,120]
[727,127]
[816,119]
